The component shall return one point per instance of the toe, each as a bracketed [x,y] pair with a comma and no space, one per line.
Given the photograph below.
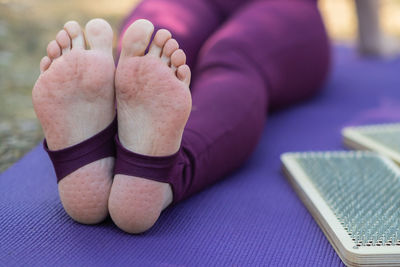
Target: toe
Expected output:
[183,74]
[137,38]
[178,58]
[44,64]
[75,33]
[161,37]
[53,50]
[99,35]
[64,41]
[170,47]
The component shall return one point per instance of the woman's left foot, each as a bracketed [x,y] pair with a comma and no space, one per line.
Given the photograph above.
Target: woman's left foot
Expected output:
[74,100]
[154,103]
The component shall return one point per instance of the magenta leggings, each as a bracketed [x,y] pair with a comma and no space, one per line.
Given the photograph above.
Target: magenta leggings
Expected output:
[247,57]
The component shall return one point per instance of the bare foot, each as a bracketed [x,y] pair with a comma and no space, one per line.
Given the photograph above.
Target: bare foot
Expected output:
[74,100]
[154,103]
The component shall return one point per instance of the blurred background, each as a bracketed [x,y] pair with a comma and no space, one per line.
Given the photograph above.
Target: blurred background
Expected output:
[27,26]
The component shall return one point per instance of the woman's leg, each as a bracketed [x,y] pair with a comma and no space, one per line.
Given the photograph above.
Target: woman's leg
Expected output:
[190,22]
[270,54]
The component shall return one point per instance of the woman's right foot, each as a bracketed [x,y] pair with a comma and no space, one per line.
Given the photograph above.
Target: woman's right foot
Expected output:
[154,103]
[74,100]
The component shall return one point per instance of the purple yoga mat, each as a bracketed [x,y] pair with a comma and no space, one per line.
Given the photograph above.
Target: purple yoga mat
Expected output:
[251,218]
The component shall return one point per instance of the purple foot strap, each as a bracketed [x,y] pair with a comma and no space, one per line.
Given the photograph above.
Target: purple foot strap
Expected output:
[67,160]
[161,169]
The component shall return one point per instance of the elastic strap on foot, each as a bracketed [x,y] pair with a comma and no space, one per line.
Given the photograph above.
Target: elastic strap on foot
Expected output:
[161,169]
[67,160]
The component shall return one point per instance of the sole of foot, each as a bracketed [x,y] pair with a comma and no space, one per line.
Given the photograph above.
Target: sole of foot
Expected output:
[154,103]
[75,83]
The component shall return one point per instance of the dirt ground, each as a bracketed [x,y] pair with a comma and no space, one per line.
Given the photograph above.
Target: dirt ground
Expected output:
[26,26]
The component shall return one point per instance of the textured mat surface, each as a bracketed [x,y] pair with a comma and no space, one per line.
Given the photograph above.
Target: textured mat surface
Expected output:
[251,218]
